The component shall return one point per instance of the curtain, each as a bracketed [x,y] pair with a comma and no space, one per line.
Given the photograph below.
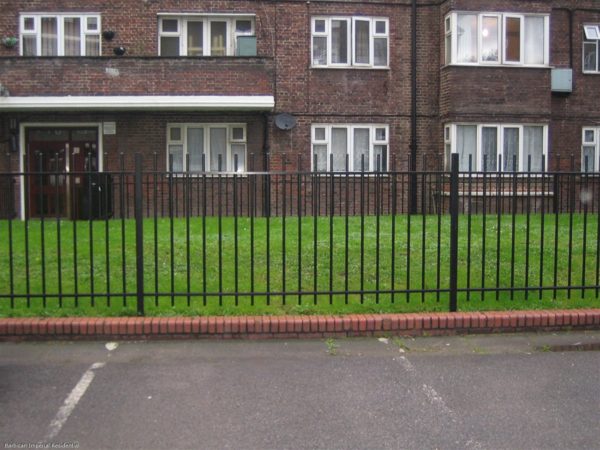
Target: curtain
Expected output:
[339,41]
[361,41]
[380,155]
[590,56]
[588,159]
[49,36]
[361,149]
[239,151]
[195,148]
[533,147]
[466,39]
[489,143]
[339,148]
[92,45]
[218,149]
[466,147]
[218,38]
[175,158]
[513,39]
[319,50]
[489,39]
[320,154]
[534,40]
[511,149]
[72,36]
[380,50]
[194,38]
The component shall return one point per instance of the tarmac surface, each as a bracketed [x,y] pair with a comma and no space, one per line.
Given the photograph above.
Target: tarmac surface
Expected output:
[516,391]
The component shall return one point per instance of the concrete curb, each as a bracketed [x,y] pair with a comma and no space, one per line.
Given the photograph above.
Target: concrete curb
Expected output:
[285,327]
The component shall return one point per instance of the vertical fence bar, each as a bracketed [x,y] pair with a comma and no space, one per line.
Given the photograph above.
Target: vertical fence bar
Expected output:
[58,231]
[346,231]
[499,201]
[393,199]
[315,226]
[171,230]
[454,233]
[204,199]
[528,226]
[122,177]
[584,200]
[187,207]
[331,212]
[542,226]
[10,237]
[139,235]
[362,228]
[235,232]
[27,180]
[42,228]
[155,226]
[252,213]
[283,228]
[299,206]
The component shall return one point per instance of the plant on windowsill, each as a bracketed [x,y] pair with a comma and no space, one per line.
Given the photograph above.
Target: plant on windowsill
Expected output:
[10,41]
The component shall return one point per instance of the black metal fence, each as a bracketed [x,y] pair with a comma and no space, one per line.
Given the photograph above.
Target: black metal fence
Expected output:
[271,242]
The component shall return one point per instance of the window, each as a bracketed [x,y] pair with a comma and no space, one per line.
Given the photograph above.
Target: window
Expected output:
[364,146]
[202,35]
[591,49]
[206,147]
[66,34]
[350,42]
[497,38]
[590,150]
[497,148]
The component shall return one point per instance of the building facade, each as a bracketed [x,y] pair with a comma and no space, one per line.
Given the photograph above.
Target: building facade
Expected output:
[236,86]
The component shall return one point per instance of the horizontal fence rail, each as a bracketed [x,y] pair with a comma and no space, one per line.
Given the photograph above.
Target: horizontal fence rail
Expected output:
[143,240]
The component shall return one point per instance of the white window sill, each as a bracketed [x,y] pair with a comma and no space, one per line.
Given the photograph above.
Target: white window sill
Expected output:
[351,67]
[506,66]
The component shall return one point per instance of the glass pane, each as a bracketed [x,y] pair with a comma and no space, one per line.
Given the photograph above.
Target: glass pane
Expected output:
[84,135]
[513,39]
[320,154]
[175,158]
[195,41]
[218,149]
[380,134]
[239,151]
[380,27]
[489,39]
[339,148]
[510,159]
[380,158]
[319,51]
[380,50]
[29,23]
[243,26]
[534,40]
[590,56]
[361,149]
[466,147]
[588,159]
[533,148]
[591,32]
[195,147]
[29,45]
[588,136]
[489,144]
[49,36]
[319,26]
[361,41]
[339,41]
[447,156]
[92,45]
[175,134]
[448,54]
[72,36]
[466,39]
[170,25]
[92,24]
[218,38]
[319,134]
[169,46]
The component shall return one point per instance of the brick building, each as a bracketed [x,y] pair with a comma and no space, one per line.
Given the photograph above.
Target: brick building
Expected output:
[510,85]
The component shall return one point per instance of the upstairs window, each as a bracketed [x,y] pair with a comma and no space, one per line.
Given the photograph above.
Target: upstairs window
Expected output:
[203,35]
[497,39]
[350,42]
[60,34]
[590,150]
[591,49]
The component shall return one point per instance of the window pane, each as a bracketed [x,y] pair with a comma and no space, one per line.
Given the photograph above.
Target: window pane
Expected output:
[466,38]
[195,42]
[590,56]
[243,26]
[170,25]
[588,159]
[319,51]
[218,149]
[175,158]
[448,54]
[511,149]
[92,45]
[239,151]
[320,154]
[489,39]
[319,134]
[489,144]
[49,36]
[72,36]
[447,156]
[320,26]
[381,58]
[29,45]
[339,41]
[588,136]
[92,24]
[339,148]
[380,158]
[513,39]
[466,147]
[361,149]
[591,32]
[380,134]
[29,23]
[534,40]
[218,38]
[175,134]
[169,46]
[361,42]
[533,148]
[195,148]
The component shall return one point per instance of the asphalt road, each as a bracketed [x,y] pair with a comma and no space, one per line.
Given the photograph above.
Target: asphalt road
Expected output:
[524,391]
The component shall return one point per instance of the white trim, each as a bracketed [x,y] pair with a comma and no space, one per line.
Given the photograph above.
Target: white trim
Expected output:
[22,145]
[140,103]
[196,14]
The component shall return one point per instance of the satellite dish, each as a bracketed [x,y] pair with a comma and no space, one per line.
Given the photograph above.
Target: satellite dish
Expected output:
[285,121]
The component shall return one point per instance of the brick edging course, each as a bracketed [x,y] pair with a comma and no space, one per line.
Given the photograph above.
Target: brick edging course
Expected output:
[265,327]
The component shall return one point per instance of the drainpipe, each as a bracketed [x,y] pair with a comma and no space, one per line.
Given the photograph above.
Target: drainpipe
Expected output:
[413,118]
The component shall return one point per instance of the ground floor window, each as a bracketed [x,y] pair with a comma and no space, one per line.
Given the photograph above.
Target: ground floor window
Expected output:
[211,147]
[497,147]
[590,150]
[360,147]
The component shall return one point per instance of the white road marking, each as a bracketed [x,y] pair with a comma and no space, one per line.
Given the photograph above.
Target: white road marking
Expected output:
[71,401]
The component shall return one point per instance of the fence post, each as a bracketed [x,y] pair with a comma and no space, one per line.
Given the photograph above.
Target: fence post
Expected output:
[139,235]
[454,233]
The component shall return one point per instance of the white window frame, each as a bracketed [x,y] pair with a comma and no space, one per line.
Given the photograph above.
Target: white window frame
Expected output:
[207,161]
[351,21]
[502,16]
[373,142]
[60,27]
[594,143]
[182,30]
[452,128]
[595,42]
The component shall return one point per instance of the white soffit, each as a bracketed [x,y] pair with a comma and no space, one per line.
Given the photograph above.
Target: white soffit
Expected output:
[140,103]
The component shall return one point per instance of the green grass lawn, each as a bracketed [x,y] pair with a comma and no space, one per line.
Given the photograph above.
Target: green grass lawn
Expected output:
[421,261]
